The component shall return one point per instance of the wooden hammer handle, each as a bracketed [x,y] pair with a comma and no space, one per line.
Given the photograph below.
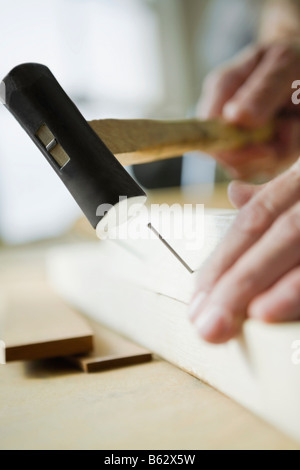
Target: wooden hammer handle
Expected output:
[135,141]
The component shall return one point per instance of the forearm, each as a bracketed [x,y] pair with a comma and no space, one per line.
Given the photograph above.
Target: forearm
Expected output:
[280,20]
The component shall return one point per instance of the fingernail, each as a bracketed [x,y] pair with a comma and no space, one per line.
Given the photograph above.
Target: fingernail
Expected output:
[230,111]
[234,112]
[213,320]
[196,305]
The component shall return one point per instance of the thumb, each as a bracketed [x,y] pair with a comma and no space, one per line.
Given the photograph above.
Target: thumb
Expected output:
[240,193]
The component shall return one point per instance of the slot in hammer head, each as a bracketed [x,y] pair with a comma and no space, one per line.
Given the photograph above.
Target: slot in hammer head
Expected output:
[86,166]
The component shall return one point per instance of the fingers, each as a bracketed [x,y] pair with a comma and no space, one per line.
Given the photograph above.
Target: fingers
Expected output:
[221,84]
[240,193]
[251,91]
[276,253]
[253,160]
[251,223]
[279,303]
[288,137]
[267,159]
[267,89]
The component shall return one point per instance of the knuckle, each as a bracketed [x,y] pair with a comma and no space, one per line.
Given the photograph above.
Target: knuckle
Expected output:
[283,53]
[288,225]
[255,217]
[246,280]
[285,61]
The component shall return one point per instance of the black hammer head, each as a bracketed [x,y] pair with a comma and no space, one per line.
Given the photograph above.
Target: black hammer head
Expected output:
[86,166]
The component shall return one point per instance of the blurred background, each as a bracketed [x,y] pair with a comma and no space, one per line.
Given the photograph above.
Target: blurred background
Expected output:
[116,59]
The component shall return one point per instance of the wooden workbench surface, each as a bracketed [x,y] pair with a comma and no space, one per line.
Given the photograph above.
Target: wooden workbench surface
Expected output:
[51,405]
[152,406]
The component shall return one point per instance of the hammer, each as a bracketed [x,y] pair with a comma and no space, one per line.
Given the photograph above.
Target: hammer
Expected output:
[88,156]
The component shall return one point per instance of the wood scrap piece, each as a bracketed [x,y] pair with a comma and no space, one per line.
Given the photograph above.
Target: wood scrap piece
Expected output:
[256,369]
[36,324]
[110,351]
[135,141]
[259,369]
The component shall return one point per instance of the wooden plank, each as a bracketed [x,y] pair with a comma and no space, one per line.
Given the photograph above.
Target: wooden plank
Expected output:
[48,405]
[256,369]
[143,140]
[110,351]
[35,324]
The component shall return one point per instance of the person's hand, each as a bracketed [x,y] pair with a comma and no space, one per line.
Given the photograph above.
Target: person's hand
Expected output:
[255,272]
[251,90]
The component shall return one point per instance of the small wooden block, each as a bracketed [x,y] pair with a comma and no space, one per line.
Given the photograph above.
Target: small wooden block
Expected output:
[110,351]
[36,324]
